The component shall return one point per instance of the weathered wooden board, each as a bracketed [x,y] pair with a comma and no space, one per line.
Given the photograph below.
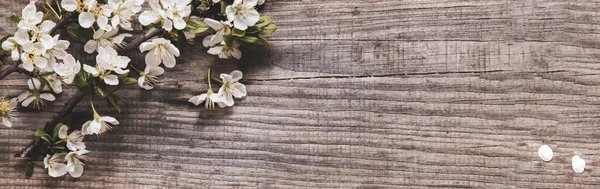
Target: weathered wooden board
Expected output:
[361,94]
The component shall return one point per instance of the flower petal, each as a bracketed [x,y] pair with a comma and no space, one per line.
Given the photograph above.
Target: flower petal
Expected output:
[90,46]
[111,80]
[62,132]
[86,19]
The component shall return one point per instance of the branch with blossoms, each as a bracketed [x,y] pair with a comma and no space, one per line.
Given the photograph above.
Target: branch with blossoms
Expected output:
[40,49]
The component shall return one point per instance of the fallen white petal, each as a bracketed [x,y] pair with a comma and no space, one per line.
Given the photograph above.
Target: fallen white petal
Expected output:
[578,164]
[545,152]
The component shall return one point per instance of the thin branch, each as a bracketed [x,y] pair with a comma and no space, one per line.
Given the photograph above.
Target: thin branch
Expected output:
[10,69]
[29,151]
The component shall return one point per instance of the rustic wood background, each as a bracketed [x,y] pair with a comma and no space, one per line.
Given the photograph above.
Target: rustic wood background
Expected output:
[360,94]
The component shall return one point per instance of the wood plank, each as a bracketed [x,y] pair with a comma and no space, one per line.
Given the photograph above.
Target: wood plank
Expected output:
[361,94]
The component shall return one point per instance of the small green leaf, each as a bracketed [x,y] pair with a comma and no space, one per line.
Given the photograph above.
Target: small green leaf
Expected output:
[58,147]
[129,81]
[114,101]
[248,39]
[181,40]
[223,7]
[123,76]
[196,26]
[228,39]
[82,84]
[44,136]
[56,130]
[29,169]
[40,133]
[264,21]
[269,29]
[238,33]
[102,92]
[15,19]
[264,41]
[78,34]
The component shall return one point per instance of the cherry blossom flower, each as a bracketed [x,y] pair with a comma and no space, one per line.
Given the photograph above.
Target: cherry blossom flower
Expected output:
[105,39]
[170,12]
[123,11]
[68,70]
[231,87]
[99,125]
[109,59]
[225,51]
[38,94]
[33,55]
[74,162]
[242,13]
[161,51]
[222,28]
[90,12]
[11,45]
[149,77]
[58,51]
[210,97]
[42,34]
[55,164]
[7,109]
[74,140]
[53,79]
[30,17]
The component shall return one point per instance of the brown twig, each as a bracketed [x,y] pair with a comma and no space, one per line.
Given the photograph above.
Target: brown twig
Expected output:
[29,151]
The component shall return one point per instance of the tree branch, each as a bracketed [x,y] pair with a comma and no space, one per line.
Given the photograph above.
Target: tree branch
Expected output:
[29,152]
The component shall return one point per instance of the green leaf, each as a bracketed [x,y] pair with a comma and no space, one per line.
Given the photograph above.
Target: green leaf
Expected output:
[264,41]
[223,7]
[102,92]
[269,29]
[123,76]
[181,40]
[15,19]
[196,26]
[248,39]
[82,84]
[56,130]
[238,33]
[44,136]
[253,30]
[78,34]
[228,39]
[129,81]
[58,147]
[264,21]
[29,169]
[114,101]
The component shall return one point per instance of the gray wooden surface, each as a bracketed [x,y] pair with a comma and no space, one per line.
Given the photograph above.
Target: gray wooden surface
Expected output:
[361,94]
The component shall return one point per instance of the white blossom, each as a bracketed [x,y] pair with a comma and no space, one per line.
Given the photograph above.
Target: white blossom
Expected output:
[58,51]
[161,51]
[149,77]
[7,109]
[74,165]
[123,11]
[55,164]
[74,140]
[242,13]
[11,45]
[222,28]
[232,87]
[105,39]
[30,17]
[41,33]
[33,55]
[68,70]
[170,12]
[90,12]
[225,51]
[108,61]
[38,94]
[99,125]
[53,79]
[210,97]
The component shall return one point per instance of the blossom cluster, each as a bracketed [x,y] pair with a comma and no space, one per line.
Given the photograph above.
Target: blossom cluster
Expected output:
[103,26]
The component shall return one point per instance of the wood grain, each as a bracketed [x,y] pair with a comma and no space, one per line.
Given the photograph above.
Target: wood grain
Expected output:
[360,94]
